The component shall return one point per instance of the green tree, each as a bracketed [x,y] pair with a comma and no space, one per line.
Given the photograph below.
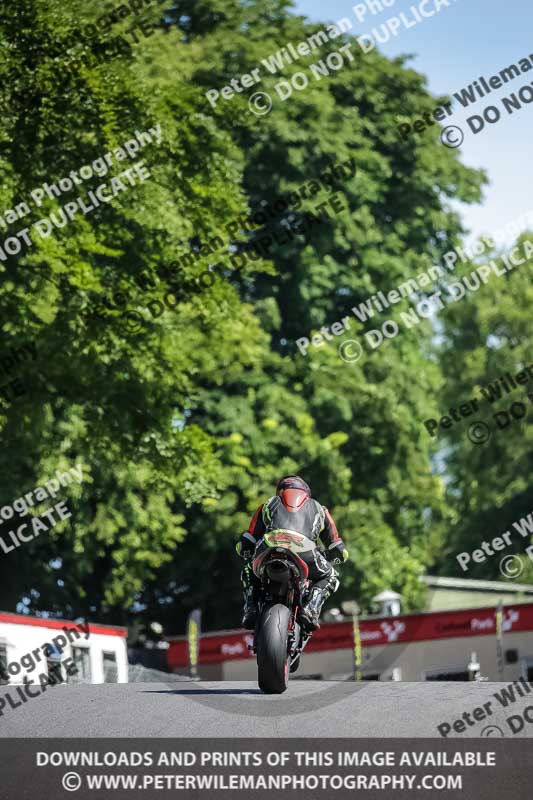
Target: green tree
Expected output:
[185,426]
[486,337]
[117,403]
[353,430]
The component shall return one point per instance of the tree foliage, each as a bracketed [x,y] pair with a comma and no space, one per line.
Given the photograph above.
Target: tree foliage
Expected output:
[184,426]
[487,338]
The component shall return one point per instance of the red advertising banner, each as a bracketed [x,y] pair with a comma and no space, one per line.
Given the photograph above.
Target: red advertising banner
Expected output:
[227,645]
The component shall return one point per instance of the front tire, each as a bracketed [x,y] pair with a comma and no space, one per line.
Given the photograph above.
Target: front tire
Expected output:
[272,657]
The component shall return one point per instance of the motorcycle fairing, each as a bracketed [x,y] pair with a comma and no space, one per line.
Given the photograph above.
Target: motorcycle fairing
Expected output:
[290,540]
[286,542]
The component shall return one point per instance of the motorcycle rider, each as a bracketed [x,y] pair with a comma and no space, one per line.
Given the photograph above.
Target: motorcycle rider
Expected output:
[294,509]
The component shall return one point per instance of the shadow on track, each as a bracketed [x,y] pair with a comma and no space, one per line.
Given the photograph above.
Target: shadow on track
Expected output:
[202,691]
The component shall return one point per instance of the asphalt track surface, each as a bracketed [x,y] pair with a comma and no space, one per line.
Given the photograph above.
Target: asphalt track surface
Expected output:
[307,709]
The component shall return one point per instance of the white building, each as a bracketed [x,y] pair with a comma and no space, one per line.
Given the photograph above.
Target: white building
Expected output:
[31,646]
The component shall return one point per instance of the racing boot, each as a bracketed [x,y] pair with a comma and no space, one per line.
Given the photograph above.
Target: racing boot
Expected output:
[249,614]
[310,613]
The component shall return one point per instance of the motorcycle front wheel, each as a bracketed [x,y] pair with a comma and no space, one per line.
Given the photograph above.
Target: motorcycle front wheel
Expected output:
[272,656]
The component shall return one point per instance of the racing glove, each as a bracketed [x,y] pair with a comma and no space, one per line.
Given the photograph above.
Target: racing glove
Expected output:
[245,547]
[338,554]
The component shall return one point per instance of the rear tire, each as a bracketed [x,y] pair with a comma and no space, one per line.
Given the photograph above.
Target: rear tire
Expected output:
[272,657]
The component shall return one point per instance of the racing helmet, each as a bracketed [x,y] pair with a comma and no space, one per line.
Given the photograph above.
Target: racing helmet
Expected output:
[293,491]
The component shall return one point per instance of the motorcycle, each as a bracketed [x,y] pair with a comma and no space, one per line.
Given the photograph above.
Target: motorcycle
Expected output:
[279,638]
